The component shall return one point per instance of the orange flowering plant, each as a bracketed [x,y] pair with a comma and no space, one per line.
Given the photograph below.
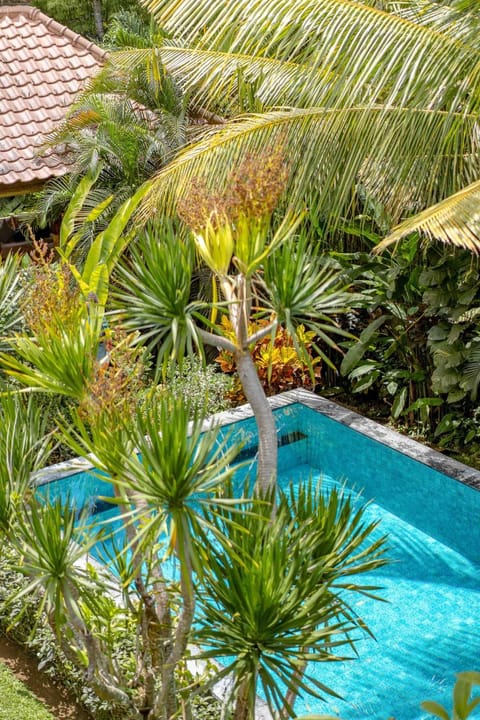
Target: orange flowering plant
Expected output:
[279,365]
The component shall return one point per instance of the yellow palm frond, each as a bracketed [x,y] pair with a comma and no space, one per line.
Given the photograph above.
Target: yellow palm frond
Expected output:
[398,60]
[454,221]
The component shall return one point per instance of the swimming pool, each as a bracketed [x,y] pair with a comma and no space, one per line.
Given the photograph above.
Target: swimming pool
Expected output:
[428,631]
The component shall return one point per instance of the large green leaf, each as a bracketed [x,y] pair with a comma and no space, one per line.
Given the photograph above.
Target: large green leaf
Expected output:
[106,250]
[69,240]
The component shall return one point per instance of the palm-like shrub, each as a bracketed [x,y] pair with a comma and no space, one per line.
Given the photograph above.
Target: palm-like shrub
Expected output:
[10,298]
[274,592]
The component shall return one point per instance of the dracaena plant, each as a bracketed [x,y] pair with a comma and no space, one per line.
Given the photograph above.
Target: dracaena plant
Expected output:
[464,704]
[282,599]
[260,272]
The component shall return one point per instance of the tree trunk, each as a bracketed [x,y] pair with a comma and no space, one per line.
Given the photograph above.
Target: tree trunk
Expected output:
[292,693]
[98,18]
[267,433]
[164,706]
[243,705]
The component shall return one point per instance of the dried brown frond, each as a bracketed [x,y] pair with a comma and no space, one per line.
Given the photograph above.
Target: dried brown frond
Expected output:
[255,187]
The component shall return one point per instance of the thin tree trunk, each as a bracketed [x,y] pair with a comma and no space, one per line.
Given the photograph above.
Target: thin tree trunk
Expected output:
[157,626]
[292,693]
[243,709]
[98,17]
[267,433]
[239,308]
[182,634]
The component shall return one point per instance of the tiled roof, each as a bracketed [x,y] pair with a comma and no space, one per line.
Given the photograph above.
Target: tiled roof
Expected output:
[43,65]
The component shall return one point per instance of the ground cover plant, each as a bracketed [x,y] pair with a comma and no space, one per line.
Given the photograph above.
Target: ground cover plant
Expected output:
[17,701]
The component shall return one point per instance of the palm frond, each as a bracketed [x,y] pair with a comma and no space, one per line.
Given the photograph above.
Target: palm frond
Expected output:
[398,60]
[460,20]
[405,155]
[454,221]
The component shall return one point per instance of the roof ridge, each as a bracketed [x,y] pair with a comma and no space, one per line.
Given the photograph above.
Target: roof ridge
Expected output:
[53,25]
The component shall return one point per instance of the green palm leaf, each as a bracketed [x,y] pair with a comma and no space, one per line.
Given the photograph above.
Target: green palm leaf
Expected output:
[329,151]
[372,48]
[388,100]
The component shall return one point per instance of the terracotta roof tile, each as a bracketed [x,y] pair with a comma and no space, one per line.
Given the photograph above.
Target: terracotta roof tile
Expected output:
[44,66]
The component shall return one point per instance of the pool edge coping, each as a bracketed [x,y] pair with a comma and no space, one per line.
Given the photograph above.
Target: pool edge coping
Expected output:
[365,426]
[424,454]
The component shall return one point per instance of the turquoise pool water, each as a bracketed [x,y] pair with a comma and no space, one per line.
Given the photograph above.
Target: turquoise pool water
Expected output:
[429,628]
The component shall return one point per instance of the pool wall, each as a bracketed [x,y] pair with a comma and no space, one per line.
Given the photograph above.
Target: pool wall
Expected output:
[420,474]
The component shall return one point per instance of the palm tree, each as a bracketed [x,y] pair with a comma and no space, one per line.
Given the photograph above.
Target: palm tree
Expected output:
[375,100]
[123,129]
[10,296]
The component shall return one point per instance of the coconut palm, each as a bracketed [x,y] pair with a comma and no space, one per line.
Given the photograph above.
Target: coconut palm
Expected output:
[377,97]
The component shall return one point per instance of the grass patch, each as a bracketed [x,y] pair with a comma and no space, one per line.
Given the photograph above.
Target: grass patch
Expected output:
[17,701]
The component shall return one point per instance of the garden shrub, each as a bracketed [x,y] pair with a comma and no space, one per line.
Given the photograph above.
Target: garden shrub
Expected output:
[202,387]
[19,621]
[278,363]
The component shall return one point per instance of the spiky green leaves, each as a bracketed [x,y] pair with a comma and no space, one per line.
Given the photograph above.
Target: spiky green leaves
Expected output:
[270,596]
[10,297]
[24,448]
[154,294]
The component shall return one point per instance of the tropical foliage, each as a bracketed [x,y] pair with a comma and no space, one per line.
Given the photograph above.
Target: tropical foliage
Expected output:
[386,113]
[463,704]
[332,121]
[173,531]
[278,363]
[168,481]
[258,275]
[88,17]
[10,295]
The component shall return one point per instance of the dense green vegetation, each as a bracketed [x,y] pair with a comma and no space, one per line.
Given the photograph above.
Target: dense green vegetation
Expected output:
[366,143]
[255,232]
